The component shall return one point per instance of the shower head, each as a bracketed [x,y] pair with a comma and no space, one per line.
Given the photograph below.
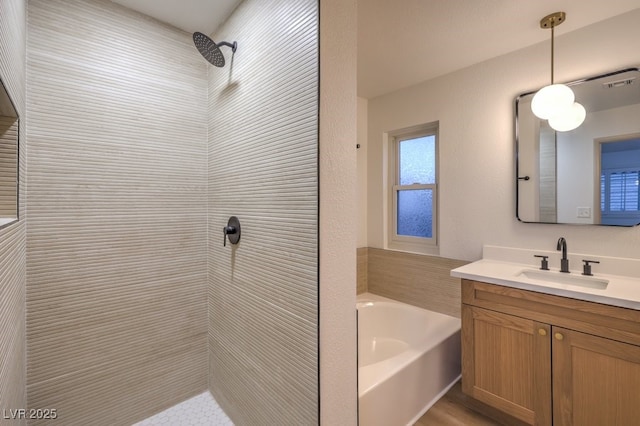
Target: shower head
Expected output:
[210,50]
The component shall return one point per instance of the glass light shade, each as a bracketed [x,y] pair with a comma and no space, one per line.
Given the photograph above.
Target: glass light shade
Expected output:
[569,119]
[551,100]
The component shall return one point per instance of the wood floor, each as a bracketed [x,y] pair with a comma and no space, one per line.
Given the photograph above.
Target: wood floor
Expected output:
[454,409]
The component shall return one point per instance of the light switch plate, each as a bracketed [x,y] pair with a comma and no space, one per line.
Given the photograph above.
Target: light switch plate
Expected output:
[583,212]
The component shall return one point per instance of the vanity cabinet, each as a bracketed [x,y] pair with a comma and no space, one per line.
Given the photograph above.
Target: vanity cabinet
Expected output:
[506,363]
[550,360]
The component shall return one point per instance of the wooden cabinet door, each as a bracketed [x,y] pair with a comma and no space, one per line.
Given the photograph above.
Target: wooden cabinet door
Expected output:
[506,363]
[596,381]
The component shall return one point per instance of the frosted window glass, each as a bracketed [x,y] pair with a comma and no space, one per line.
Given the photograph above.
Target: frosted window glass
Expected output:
[418,160]
[415,213]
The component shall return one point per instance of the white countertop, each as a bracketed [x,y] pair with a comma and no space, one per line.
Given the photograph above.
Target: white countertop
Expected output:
[503,266]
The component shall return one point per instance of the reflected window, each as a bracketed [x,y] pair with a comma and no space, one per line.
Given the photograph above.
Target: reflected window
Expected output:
[620,182]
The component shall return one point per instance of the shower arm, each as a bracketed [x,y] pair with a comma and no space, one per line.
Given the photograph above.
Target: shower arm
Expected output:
[233,45]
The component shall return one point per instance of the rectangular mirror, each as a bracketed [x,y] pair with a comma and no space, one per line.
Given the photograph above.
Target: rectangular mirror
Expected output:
[589,175]
[9,137]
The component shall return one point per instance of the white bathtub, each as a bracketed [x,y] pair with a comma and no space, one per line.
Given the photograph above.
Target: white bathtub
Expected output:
[407,359]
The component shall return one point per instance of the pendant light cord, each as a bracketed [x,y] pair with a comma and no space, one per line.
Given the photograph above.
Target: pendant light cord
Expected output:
[556,102]
[552,52]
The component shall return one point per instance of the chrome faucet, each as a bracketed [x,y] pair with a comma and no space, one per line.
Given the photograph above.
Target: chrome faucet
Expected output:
[564,262]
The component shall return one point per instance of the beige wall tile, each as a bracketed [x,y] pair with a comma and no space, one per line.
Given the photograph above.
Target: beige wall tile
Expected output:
[363,263]
[13,26]
[419,280]
[116,278]
[263,143]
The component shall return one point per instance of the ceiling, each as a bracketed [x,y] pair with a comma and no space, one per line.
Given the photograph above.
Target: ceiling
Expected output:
[404,42]
[188,15]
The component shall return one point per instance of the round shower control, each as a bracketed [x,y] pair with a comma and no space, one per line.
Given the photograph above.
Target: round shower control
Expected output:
[232,231]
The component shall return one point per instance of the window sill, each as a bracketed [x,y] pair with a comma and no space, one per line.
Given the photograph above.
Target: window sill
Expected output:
[6,221]
[413,248]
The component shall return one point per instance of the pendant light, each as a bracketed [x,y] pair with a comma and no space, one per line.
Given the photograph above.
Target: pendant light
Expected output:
[556,102]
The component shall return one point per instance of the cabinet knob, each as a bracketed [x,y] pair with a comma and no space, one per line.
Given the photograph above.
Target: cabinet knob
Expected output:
[542,332]
[559,336]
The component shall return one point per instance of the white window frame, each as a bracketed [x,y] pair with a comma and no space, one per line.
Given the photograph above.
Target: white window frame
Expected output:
[393,241]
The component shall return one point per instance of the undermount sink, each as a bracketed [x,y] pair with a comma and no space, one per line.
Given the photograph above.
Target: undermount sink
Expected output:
[564,278]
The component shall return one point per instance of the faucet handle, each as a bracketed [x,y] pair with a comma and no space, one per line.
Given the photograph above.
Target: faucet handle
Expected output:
[586,269]
[544,263]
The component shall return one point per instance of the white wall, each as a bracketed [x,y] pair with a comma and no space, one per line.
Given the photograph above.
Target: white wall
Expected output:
[474,107]
[338,229]
[362,172]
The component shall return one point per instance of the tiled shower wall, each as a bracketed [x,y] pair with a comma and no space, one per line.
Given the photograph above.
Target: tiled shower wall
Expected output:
[13,27]
[116,242]
[263,144]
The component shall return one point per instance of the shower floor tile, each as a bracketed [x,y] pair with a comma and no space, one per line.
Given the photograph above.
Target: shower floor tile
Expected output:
[199,410]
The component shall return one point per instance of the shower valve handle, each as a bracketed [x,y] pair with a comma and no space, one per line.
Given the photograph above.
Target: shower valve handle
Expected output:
[228,230]
[232,231]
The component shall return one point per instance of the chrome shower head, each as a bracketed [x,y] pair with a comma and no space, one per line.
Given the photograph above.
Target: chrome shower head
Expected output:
[210,50]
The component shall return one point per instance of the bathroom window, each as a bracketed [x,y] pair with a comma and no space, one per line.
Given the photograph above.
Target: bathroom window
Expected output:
[413,190]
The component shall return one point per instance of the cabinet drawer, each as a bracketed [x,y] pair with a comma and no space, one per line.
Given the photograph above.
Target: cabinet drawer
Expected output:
[616,323]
